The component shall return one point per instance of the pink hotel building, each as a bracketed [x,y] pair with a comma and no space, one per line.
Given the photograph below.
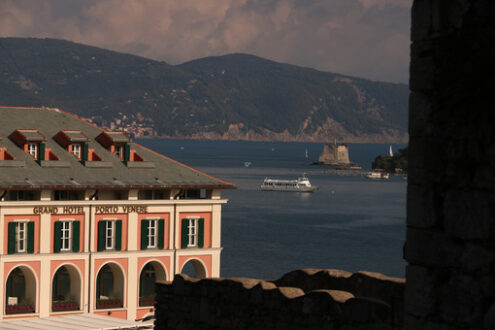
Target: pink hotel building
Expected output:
[89,220]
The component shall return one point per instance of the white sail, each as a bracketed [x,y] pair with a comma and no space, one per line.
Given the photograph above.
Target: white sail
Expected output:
[390,151]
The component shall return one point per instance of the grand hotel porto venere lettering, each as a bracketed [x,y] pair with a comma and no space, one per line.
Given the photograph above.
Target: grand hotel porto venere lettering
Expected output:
[90,220]
[103,209]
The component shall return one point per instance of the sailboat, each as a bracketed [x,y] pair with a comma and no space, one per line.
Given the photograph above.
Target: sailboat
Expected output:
[390,151]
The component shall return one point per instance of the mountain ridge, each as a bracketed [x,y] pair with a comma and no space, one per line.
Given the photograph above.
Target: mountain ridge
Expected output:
[232,97]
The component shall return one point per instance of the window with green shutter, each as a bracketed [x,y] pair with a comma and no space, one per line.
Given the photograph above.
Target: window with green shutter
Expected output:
[161,233]
[185,232]
[101,235]
[11,238]
[192,233]
[127,152]
[110,235]
[30,245]
[76,232]
[85,151]
[42,151]
[201,226]
[144,234]
[118,235]
[57,239]
[20,237]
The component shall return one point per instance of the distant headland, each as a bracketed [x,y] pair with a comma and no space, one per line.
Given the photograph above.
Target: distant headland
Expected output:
[230,97]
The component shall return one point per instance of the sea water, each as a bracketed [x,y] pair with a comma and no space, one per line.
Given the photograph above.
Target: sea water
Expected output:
[350,223]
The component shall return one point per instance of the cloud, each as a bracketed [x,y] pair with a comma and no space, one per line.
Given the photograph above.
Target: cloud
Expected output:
[366,38]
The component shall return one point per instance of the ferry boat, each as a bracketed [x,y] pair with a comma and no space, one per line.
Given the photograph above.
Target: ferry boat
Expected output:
[302,184]
[377,175]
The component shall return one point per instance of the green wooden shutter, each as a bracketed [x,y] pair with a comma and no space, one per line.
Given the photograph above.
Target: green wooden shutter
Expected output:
[57,236]
[11,237]
[118,235]
[30,245]
[201,230]
[161,229]
[101,235]
[185,231]
[75,236]
[85,151]
[41,156]
[144,234]
[127,152]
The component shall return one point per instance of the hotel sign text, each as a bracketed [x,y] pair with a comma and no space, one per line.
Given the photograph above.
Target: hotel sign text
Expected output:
[102,209]
[106,209]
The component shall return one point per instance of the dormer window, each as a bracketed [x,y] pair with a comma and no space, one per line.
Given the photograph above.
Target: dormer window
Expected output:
[117,143]
[33,150]
[120,145]
[76,150]
[119,151]
[76,142]
[32,141]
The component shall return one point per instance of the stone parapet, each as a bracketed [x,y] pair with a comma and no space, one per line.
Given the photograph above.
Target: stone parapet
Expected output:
[302,299]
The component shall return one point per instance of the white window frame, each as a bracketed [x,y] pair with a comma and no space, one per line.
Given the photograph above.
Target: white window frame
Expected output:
[33,150]
[119,151]
[21,244]
[76,150]
[66,235]
[192,232]
[152,233]
[110,226]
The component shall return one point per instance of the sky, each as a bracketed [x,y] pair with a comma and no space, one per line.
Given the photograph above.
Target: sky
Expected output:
[361,38]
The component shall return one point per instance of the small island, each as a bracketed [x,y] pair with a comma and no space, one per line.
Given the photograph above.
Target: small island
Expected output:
[397,163]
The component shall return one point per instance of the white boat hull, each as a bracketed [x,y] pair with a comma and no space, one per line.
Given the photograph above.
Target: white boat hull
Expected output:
[377,175]
[289,189]
[302,184]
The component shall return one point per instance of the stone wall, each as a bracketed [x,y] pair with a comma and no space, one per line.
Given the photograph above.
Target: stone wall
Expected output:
[450,245]
[302,299]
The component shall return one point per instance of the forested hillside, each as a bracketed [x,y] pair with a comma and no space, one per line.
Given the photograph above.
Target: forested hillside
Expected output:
[234,96]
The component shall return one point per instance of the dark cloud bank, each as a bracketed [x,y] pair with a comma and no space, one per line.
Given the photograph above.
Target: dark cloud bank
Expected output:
[364,38]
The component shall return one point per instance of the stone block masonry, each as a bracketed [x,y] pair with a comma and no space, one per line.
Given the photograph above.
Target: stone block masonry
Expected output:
[450,244]
[301,299]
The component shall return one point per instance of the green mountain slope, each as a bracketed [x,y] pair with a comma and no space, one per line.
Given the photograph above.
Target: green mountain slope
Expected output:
[227,97]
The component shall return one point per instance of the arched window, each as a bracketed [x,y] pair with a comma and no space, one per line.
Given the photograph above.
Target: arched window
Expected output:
[150,273]
[147,286]
[20,293]
[16,286]
[194,268]
[66,290]
[110,287]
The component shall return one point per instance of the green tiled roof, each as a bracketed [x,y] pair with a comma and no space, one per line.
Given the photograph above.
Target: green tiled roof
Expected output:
[30,174]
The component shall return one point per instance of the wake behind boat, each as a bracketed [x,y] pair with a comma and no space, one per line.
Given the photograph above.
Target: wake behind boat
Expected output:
[302,184]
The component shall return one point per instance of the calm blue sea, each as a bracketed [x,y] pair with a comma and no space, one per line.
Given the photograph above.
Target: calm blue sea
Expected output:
[350,223]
